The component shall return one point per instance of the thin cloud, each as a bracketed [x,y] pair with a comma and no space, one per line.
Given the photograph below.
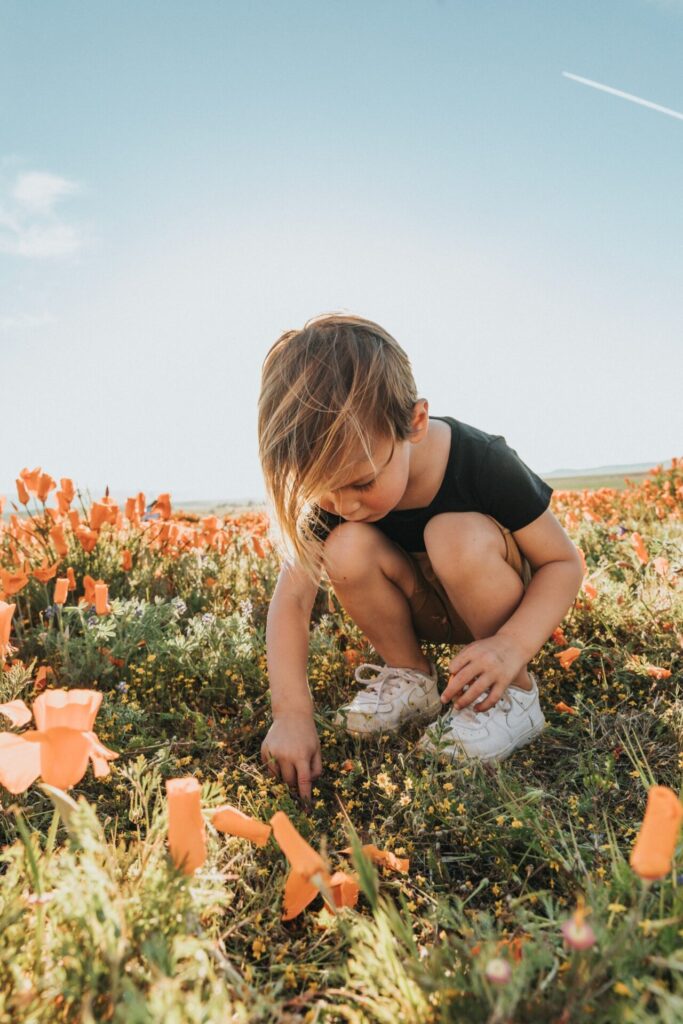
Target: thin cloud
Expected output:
[625,95]
[29,225]
[20,321]
[38,192]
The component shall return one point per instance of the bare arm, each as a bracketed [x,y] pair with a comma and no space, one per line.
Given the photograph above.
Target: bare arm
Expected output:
[287,628]
[548,597]
[291,747]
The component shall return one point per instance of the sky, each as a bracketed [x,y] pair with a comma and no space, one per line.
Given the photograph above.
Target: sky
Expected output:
[181,182]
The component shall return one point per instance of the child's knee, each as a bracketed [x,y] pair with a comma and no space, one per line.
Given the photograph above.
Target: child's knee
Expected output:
[348,552]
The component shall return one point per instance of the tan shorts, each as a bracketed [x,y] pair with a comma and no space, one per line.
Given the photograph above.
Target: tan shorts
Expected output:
[434,617]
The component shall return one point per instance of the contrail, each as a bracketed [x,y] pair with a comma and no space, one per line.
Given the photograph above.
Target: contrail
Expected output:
[625,95]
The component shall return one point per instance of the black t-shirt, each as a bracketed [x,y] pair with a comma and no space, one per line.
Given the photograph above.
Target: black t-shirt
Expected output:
[483,475]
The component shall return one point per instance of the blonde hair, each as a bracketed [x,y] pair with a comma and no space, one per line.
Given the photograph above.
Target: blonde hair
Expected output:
[337,386]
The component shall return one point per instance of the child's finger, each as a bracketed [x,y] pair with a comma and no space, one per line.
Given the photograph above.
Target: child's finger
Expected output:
[316,765]
[494,696]
[303,772]
[460,660]
[456,684]
[270,762]
[479,686]
[289,775]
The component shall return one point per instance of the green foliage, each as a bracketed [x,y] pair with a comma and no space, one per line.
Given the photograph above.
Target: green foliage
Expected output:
[97,925]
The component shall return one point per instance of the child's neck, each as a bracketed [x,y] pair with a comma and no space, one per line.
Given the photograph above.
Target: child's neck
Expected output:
[427,467]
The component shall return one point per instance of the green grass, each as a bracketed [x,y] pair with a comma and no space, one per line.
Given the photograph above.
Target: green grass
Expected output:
[594,483]
[96,924]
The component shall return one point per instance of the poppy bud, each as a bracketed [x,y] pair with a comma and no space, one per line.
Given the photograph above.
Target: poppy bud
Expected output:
[498,971]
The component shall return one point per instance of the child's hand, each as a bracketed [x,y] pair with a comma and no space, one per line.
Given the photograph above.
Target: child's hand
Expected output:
[291,750]
[488,664]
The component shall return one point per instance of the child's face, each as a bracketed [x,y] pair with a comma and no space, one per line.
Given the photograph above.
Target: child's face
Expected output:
[371,494]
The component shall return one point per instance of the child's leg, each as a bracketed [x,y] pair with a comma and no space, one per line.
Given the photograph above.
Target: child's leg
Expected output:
[480,568]
[373,580]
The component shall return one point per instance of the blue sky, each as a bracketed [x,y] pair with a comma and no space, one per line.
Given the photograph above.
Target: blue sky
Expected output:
[181,182]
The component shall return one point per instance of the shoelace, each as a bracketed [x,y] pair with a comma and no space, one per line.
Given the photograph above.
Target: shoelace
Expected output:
[386,679]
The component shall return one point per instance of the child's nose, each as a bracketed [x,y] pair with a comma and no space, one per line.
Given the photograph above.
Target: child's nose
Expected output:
[344,509]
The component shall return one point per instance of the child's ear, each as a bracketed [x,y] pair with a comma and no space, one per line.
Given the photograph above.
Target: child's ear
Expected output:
[420,415]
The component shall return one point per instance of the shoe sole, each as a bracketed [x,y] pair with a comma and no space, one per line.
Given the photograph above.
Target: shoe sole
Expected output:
[422,718]
[501,755]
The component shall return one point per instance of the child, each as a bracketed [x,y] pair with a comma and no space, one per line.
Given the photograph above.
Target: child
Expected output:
[428,528]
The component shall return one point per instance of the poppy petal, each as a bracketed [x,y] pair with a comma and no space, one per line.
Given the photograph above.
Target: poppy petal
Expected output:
[16,711]
[19,761]
[99,755]
[233,821]
[298,852]
[186,831]
[63,756]
[655,844]
[345,889]
[73,709]
[298,894]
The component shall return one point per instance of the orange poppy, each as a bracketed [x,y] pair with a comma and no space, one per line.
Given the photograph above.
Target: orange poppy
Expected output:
[13,582]
[61,590]
[6,613]
[258,547]
[22,493]
[44,486]
[163,506]
[566,658]
[298,852]
[345,889]
[559,637]
[89,585]
[658,673]
[186,831]
[390,860]
[102,606]
[59,540]
[309,874]
[88,538]
[68,489]
[100,513]
[31,478]
[561,706]
[41,680]
[126,560]
[61,746]
[639,547]
[46,572]
[655,844]
[119,662]
[227,818]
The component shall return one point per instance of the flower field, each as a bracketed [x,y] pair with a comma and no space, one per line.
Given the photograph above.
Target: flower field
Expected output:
[151,869]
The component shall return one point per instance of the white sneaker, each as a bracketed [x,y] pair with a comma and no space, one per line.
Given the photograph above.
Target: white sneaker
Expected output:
[391,697]
[488,735]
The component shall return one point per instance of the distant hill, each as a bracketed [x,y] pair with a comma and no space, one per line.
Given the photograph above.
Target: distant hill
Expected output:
[640,467]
